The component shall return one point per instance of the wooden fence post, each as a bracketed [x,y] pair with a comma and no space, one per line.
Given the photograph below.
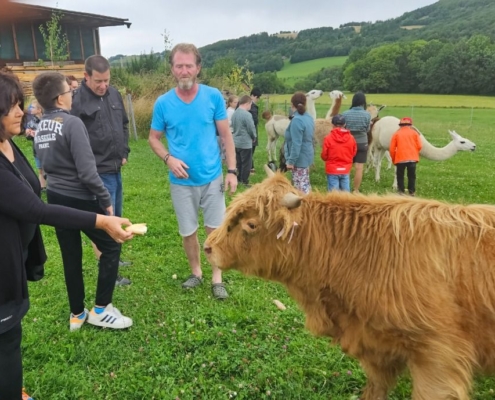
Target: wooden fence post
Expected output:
[132,118]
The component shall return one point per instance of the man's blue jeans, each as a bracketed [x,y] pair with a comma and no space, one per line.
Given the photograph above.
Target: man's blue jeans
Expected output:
[338,182]
[113,183]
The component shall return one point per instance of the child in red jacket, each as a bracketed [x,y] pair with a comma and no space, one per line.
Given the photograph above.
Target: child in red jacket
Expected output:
[339,148]
[404,150]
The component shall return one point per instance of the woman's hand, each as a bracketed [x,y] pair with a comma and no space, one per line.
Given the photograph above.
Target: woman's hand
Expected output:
[290,167]
[113,226]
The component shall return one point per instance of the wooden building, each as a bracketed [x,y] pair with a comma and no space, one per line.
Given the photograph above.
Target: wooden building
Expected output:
[22,45]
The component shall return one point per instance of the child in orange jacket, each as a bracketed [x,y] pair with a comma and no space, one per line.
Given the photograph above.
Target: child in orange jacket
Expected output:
[404,150]
[338,151]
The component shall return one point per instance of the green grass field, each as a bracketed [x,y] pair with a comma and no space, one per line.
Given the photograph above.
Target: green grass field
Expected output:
[290,73]
[184,345]
[410,101]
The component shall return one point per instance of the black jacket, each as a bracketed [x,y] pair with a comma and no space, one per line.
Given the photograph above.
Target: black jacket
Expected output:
[254,112]
[107,124]
[20,204]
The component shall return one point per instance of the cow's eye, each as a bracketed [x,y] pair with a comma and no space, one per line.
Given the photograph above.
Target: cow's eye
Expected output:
[250,226]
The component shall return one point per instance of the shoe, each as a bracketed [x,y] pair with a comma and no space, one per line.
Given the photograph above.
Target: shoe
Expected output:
[219,292]
[192,282]
[121,281]
[125,263]
[246,185]
[25,396]
[109,318]
[77,322]
[252,172]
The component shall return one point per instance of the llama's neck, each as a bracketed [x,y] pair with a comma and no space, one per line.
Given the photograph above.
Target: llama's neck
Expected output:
[334,108]
[311,107]
[435,153]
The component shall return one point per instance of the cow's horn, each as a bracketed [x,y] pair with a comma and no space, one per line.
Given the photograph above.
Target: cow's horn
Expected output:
[291,200]
[268,171]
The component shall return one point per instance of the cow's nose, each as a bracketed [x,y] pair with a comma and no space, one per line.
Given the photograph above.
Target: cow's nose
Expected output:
[207,249]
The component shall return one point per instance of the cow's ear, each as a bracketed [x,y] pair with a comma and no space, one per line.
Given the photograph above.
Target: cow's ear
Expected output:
[250,225]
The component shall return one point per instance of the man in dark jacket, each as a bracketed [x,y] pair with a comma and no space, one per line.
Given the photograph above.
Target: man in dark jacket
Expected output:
[101,108]
[255,96]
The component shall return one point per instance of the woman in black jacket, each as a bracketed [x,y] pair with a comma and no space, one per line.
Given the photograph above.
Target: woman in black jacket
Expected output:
[21,245]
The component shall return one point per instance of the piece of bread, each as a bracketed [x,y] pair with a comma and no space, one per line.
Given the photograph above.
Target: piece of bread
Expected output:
[279,305]
[137,229]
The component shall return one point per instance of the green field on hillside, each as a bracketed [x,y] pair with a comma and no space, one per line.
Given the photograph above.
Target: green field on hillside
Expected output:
[402,100]
[290,73]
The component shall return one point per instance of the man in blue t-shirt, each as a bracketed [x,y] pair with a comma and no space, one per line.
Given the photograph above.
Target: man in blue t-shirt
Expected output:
[190,115]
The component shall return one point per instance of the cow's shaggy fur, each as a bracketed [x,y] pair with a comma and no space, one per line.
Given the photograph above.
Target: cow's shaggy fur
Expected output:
[400,283]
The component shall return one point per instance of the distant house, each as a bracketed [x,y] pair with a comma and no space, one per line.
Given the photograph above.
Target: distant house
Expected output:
[22,45]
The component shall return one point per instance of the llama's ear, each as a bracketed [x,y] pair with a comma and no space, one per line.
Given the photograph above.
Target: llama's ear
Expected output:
[382,107]
[454,134]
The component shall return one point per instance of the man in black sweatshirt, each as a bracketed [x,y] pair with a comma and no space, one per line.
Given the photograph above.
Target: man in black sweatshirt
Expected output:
[101,108]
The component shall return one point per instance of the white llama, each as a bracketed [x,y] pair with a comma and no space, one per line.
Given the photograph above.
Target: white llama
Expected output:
[384,129]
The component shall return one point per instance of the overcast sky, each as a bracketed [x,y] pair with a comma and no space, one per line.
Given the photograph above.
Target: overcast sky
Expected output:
[204,22]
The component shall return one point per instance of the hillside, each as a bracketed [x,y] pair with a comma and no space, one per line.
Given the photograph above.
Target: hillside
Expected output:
[447,20]
[290,73]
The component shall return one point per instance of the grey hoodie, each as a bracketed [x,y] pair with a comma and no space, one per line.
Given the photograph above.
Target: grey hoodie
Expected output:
[244,131]
[62,145]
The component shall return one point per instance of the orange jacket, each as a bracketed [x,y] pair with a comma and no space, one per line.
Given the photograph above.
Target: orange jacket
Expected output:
[405,145]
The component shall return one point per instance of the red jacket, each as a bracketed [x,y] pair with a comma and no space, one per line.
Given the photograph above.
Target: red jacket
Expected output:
[339,148]
[405,145]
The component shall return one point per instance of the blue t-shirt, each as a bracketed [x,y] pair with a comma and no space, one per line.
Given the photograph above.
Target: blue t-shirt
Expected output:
[190,130]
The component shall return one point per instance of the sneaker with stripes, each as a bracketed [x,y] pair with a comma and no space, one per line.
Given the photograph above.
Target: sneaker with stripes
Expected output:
[109,318]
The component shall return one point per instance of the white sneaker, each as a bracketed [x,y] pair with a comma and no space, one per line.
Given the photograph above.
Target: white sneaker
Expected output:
[109,318]
[76,322]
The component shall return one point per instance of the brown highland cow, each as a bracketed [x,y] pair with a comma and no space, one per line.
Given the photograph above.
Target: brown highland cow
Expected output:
[400,283]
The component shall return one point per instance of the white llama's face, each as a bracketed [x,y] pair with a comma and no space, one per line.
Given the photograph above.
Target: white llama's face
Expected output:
[462,144]
[337,94]
[314,94]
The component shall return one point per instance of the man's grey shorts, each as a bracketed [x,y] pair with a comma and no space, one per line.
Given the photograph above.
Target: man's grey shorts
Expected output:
[188,200]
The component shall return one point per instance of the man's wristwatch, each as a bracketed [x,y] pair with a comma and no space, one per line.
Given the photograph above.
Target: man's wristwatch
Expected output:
[232,171]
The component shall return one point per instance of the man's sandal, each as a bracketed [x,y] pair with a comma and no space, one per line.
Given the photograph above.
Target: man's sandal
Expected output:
[219,292]
[192,281]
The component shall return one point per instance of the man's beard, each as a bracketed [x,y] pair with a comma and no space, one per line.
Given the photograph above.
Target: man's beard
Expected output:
[186,83]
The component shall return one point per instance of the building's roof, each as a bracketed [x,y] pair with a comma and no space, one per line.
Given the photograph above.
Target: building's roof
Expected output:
[18,12]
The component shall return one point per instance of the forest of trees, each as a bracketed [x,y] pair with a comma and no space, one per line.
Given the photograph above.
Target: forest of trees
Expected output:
[445,20]
[452,51]
[464,67]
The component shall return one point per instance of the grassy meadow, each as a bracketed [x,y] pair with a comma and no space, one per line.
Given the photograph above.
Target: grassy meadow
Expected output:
[185,345]
[290,73]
